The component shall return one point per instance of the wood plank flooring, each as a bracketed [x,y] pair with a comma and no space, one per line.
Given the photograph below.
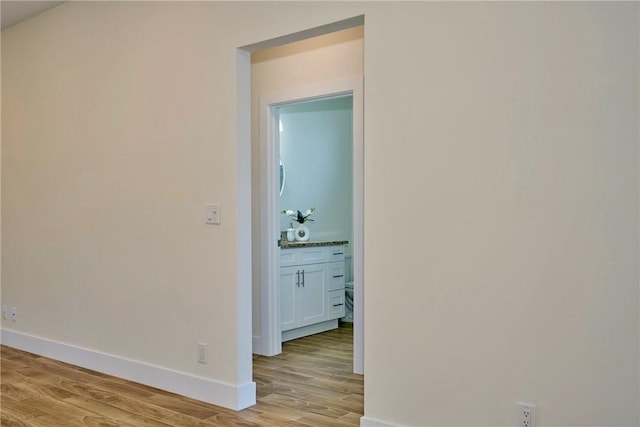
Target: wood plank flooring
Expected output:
[310,384]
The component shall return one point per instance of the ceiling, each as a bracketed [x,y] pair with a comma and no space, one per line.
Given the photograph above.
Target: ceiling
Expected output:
[16,11]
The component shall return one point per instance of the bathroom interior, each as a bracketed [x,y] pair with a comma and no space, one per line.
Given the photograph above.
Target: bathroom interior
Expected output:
[316,178]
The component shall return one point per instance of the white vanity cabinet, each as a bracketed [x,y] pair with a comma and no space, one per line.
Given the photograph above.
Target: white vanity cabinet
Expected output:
[311,290]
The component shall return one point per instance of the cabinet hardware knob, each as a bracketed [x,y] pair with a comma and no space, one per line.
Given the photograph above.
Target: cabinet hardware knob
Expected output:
[339,275]
[338,253]
[337,305]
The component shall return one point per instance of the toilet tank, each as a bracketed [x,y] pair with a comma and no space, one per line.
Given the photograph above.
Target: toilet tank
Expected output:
[348,267]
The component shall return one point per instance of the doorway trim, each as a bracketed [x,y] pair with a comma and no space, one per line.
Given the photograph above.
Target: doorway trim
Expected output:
[270,335]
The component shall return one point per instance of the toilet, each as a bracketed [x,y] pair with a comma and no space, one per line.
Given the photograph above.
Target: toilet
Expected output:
[348,290]
[348,302]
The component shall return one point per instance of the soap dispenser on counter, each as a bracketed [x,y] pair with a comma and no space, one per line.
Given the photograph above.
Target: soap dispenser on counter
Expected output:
[291,233]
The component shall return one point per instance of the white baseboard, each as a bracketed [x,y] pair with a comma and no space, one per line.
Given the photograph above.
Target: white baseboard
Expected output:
[230,396]
[371,422]
[316,328]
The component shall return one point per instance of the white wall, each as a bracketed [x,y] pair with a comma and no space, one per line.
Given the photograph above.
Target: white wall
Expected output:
[110,124]
[501,225]
[501,141]
[316,146]
[121,119]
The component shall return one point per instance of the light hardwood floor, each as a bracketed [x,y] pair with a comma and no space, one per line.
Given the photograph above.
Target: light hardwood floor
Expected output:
[310,384]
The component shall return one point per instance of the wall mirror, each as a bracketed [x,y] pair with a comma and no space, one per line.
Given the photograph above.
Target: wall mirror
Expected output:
[282,176]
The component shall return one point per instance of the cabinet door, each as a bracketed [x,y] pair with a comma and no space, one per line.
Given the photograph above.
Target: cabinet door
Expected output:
[314,294]
[288,292]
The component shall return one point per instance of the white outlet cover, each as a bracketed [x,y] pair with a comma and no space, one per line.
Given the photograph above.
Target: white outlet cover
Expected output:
[526,414]
[202,352]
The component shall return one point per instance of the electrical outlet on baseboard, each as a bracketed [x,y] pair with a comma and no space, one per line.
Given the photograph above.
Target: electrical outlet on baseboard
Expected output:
[526,414]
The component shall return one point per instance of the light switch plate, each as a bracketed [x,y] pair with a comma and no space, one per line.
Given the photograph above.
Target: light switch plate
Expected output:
[213,213]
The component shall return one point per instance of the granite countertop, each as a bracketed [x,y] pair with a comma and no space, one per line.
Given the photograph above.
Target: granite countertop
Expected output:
[310,243]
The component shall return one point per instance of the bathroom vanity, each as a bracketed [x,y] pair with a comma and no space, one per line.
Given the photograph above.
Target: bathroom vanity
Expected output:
[311,287]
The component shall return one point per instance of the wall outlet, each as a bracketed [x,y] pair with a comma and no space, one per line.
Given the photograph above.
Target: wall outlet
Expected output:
[4,311]
[526,414]
[202,352]
[14,314]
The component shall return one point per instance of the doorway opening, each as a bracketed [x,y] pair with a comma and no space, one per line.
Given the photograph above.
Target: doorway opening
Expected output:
[302,87]
[258,197]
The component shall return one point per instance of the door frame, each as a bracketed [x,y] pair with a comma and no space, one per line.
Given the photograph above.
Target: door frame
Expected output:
[270,335]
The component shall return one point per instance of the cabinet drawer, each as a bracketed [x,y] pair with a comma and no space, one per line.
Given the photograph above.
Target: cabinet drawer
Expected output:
[301,256]
[311,255]
[335,253]
[287,257]
[335,304]
[335,276]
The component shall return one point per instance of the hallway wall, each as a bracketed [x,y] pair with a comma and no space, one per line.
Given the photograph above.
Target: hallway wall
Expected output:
[501,198]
